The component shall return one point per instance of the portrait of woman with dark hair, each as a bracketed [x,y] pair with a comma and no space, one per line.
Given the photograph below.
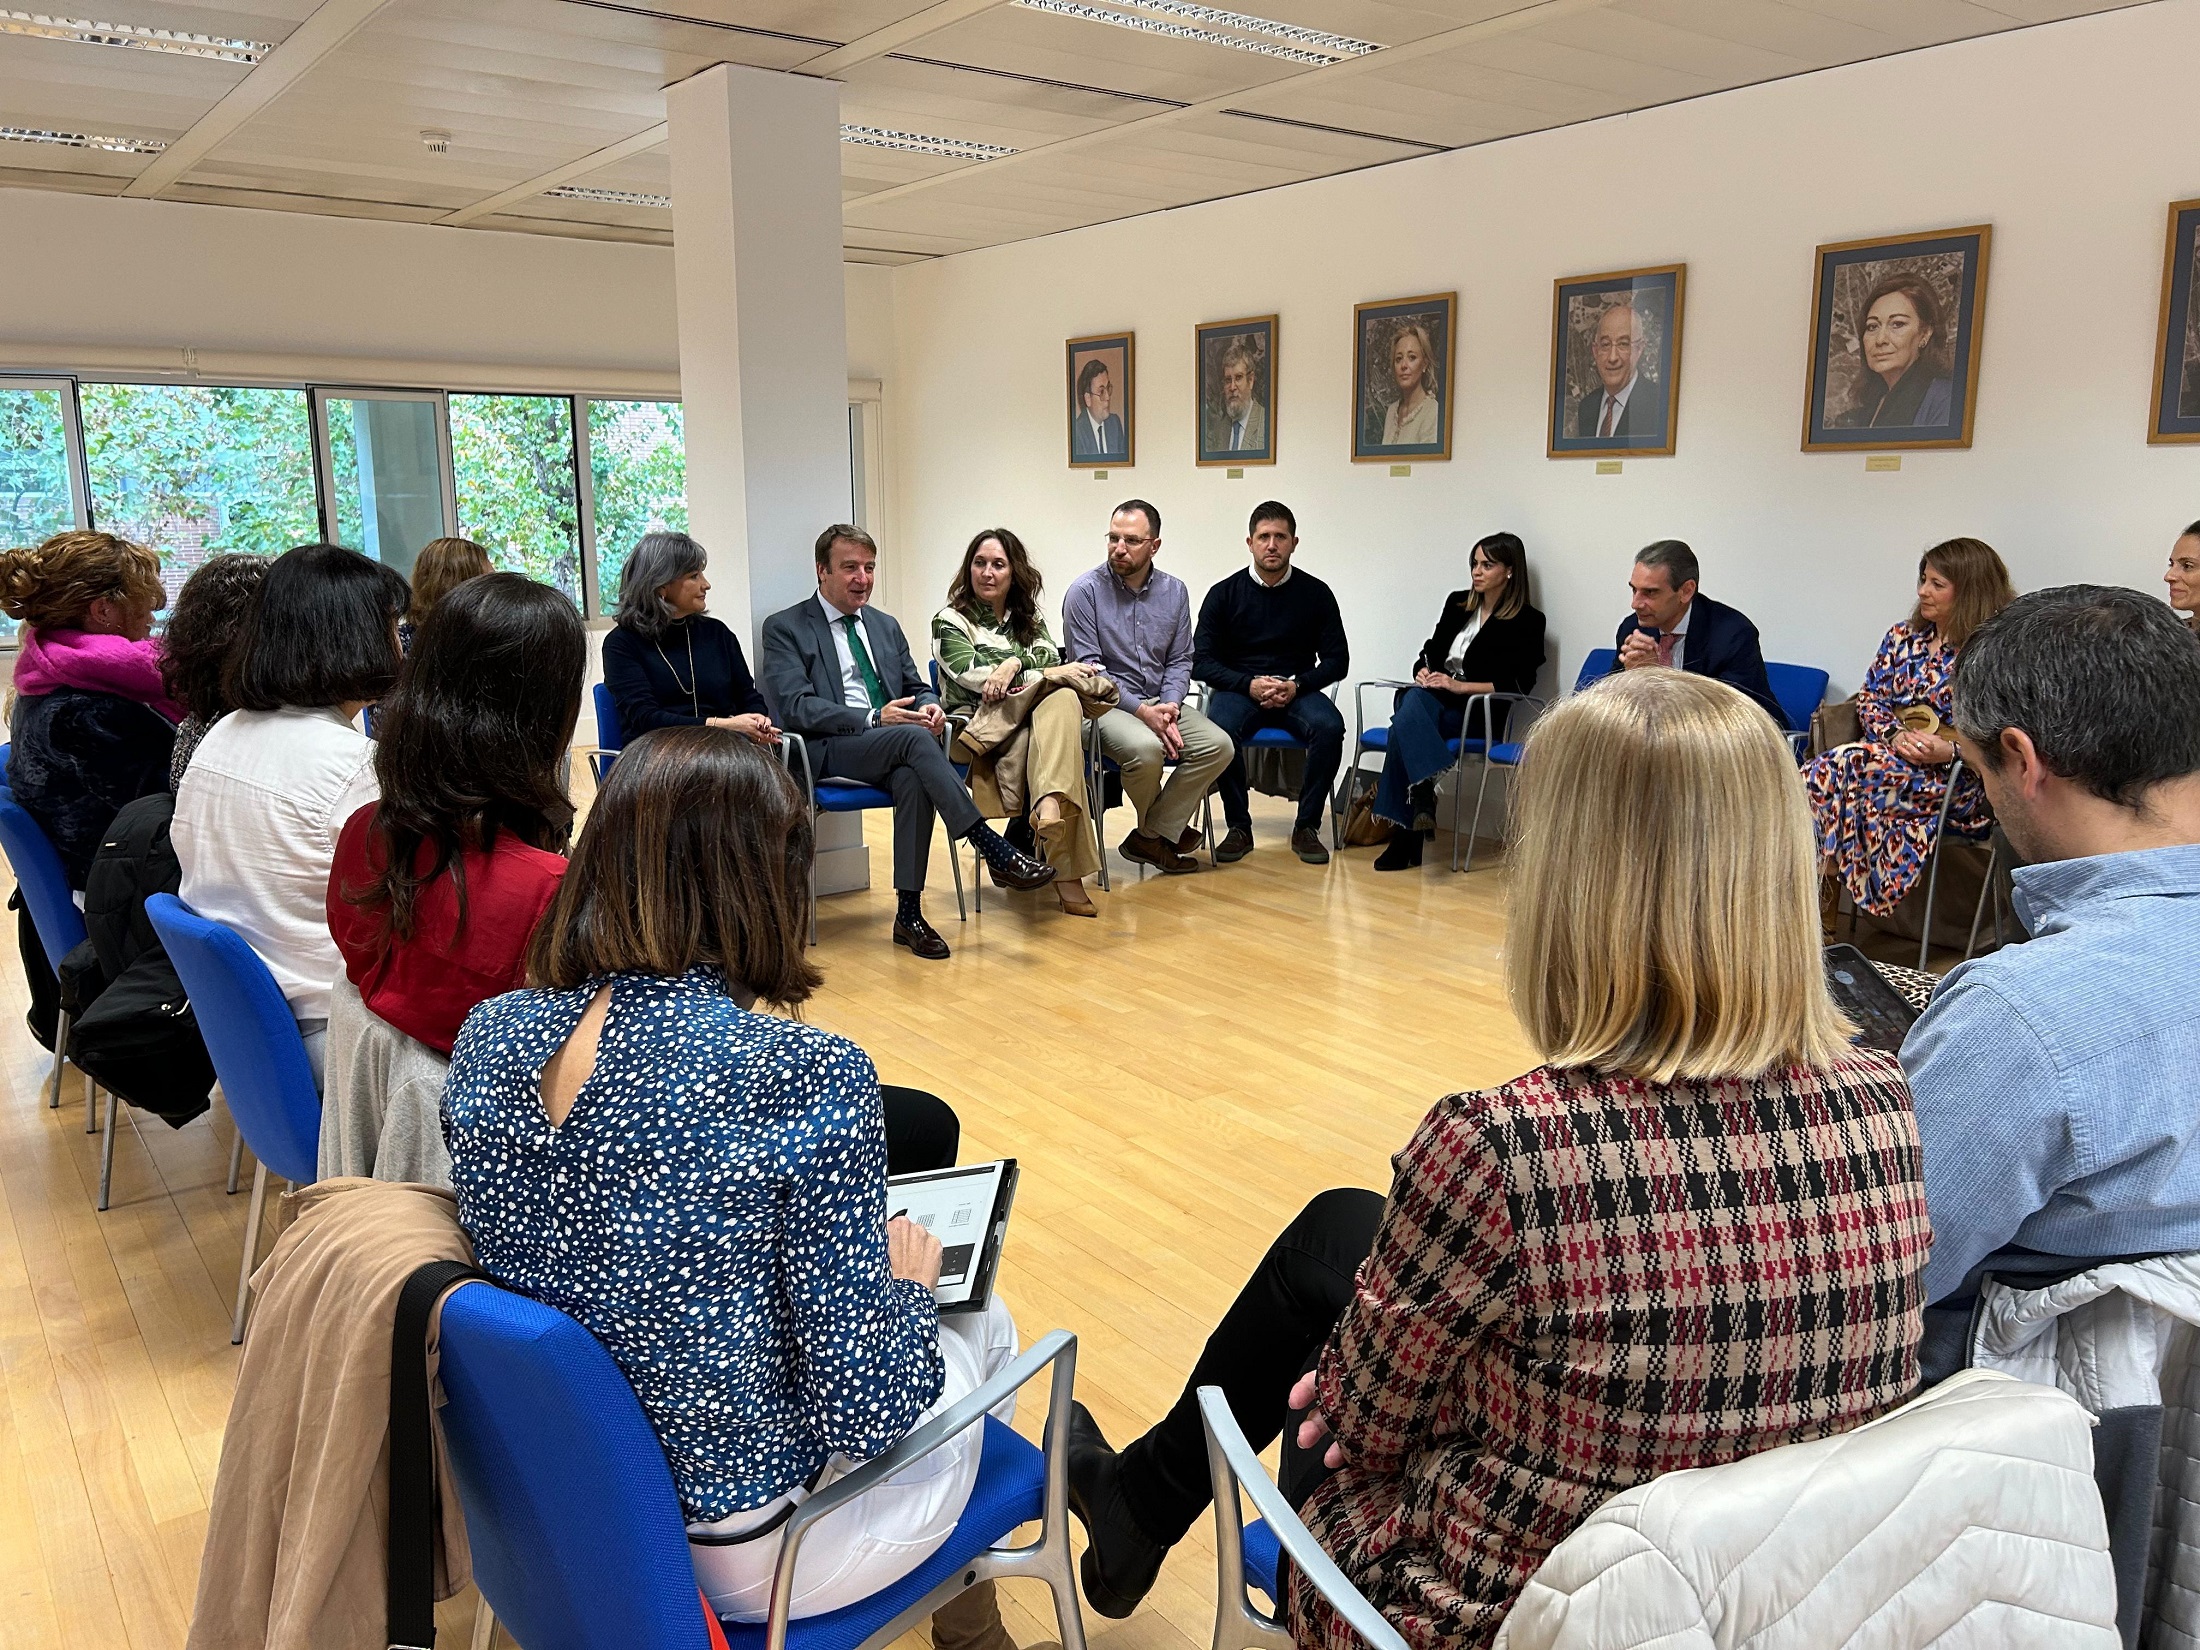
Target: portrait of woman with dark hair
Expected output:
[1896,328]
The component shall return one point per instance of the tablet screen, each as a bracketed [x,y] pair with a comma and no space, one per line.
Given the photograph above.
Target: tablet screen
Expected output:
[957,1207]
[1882,1015]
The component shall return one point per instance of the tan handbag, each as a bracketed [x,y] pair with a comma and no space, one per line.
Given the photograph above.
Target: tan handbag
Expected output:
[1834,724]
[1361,828]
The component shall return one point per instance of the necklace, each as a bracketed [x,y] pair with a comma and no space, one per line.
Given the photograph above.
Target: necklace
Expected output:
[687,687]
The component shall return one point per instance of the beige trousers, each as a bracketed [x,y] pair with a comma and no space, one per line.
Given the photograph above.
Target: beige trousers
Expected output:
[1054,765]
[1165,809]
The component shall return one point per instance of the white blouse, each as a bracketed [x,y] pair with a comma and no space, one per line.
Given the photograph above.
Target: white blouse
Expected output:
[257,817]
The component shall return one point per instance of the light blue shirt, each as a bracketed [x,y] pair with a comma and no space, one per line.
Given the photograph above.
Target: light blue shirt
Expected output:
[2055,1080]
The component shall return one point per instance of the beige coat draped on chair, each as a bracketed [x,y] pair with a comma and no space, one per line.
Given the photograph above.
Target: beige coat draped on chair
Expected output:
[1030,744]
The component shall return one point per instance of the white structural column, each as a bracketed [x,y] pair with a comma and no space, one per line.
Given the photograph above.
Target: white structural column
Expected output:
[763,329]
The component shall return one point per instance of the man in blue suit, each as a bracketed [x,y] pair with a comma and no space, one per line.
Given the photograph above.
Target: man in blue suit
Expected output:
[1097,431]
[839,672]
[1671,625]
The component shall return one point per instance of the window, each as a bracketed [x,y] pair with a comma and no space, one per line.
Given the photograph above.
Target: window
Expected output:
[637,463]
[37,492]
[518,495]
[194,469]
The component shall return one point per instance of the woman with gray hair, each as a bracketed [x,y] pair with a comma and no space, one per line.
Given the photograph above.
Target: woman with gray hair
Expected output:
[669,664]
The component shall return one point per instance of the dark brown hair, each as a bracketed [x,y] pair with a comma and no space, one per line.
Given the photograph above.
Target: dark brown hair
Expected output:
[696,853]
[472,741]
[1508,552]
[203,626]
[1024,585]
[834,534]
[1982,586]
[1923,299]
[440,568]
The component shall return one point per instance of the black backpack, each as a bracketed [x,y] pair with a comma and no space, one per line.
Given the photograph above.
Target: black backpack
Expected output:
[138,1036]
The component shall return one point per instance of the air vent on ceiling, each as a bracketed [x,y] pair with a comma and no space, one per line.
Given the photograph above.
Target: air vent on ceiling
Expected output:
[83,140]
[133,37]
[1289,41]
[917,143]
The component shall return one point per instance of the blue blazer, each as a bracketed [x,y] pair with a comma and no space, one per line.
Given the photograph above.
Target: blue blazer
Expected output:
[1111,445]
[801,669]
[1721,644]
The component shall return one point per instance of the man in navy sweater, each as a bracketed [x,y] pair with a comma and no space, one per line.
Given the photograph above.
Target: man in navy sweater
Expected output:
[1269,641]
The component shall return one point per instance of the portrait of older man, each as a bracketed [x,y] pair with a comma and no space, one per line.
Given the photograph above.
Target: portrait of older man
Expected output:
[1625,401]
[1240,423]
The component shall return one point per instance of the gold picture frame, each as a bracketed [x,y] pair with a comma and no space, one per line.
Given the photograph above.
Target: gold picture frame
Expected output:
[1212,341]
[1092,445]
[1375,329]
[1902,415]
[1649,425]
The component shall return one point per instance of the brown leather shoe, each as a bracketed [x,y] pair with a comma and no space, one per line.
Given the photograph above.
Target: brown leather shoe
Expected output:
[1307,844]
[1151,850]
[1234,846]
[1191,841]
[921,937]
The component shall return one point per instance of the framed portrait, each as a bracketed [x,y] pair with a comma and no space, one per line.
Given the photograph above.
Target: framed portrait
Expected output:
[1616,362]
[1103,424]
[1235,369]
[2176,415]
[1402,352]
[1894,344]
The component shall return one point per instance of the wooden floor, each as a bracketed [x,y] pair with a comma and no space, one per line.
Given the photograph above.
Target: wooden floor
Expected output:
[1177,1078]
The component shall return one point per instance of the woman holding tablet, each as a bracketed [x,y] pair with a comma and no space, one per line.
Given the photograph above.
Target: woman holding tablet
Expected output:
[703,1184]
[1484,1359]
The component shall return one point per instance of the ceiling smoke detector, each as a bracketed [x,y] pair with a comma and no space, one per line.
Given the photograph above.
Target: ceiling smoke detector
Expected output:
[438,143]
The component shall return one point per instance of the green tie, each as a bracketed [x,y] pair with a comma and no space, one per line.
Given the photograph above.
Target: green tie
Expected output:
[871,684]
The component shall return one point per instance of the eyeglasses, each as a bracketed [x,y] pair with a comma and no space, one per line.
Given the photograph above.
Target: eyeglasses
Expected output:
[1126,540]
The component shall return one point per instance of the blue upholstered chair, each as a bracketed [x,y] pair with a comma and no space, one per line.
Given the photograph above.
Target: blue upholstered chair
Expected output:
[576,1530]
[1800,690]
[845,796]
[253,1040]
[59,925]
[610,737]
[1505,754]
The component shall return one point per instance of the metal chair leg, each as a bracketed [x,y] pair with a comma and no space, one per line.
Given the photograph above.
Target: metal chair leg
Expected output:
[91,1105]
[60,1054]
[236,1157]
[1474,829]
[107,1154]
[251,1253]
[1987,891]
[955,864]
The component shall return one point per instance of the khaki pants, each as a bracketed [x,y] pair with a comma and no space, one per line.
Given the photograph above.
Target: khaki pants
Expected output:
[1165,809]
[1054,765]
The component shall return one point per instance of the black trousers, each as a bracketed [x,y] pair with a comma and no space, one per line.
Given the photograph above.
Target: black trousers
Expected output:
[1271,1335]
[908,761]
[922,1131]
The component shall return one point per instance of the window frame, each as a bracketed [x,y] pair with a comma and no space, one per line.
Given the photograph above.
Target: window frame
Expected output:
[318,394]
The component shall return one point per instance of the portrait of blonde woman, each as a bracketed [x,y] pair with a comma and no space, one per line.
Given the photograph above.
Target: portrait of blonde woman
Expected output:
[1402,365]
[1877,801]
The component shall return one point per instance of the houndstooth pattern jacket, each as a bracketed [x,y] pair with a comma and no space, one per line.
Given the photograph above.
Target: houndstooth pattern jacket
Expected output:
[1584,1281]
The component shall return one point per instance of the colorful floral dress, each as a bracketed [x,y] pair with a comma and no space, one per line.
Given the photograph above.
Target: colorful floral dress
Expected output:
[1875,811]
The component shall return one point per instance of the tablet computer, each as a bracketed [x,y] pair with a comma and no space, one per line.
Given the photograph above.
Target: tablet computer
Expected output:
[967,1210]
[1881,1014]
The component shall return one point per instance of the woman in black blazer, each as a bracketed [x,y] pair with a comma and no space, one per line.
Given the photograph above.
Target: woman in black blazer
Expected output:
[1489,639]
[669,664]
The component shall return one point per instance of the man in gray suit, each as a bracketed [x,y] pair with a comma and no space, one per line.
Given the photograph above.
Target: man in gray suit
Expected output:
[838,671]
[1240,424]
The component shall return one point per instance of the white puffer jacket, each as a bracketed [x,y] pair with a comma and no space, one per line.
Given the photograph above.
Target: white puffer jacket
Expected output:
[1965,1520]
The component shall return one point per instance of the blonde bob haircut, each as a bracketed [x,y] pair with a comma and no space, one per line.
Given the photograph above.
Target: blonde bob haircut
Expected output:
[1664,900]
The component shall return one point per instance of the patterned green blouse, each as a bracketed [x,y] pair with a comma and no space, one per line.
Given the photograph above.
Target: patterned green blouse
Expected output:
[968,650]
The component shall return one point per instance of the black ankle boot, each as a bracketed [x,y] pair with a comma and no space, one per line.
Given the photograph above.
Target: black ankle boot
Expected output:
[1403,852]
[1121,1561]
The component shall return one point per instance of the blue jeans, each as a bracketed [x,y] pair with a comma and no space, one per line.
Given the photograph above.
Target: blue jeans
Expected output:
[1312,718]
[1419,726]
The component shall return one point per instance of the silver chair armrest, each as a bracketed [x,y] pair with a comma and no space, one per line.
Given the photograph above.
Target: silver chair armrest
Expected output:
[1234,1467]
[1489,702]
[1058,1347]
[794,750]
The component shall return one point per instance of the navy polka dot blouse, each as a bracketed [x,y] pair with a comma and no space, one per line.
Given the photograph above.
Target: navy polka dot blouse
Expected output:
[713,1209]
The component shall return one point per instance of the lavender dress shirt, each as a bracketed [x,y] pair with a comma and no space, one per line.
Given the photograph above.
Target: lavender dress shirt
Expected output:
[1141,638]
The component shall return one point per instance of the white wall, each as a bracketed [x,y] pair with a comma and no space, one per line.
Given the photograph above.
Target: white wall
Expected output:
[2070,139]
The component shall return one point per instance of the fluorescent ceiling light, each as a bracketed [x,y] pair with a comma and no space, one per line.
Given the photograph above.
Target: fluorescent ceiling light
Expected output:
[1286,40]
[135,38]
[610,197]
[83,140]
[916,143]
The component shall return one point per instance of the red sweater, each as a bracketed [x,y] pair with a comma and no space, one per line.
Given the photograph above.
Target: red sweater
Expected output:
[426,986]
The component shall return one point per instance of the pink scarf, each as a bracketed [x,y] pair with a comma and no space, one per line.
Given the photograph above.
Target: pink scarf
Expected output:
[53,659]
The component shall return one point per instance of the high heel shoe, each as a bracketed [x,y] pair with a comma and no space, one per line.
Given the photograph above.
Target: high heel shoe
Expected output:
[1075,901]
